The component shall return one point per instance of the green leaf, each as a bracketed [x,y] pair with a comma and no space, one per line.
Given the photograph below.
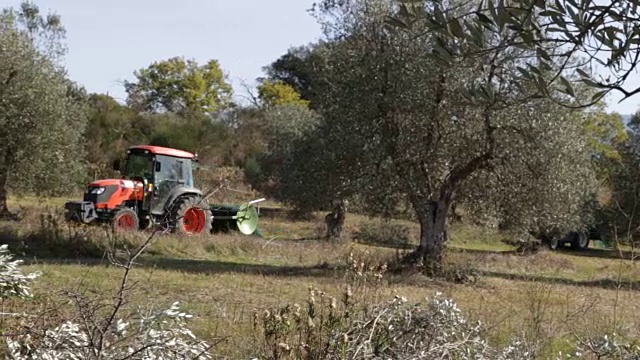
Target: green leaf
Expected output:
[395,22]
[455,28]
[527,37]
[543,54]
[582,73]
[597,96]
[485,20]
[567,86]
[542,4]
[525,73]
[592,83]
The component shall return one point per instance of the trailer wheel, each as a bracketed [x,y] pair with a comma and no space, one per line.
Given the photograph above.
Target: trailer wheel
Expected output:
[191,216]
[553,243]
[125,219]
[580,240]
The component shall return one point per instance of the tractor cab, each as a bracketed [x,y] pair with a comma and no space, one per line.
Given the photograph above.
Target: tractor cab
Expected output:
[162,171]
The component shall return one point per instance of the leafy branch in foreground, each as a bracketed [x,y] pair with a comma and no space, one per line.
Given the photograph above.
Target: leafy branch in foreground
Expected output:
[103,332]
[605,35]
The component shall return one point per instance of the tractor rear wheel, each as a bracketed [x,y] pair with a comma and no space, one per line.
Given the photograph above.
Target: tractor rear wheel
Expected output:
[125,219]
[191,216]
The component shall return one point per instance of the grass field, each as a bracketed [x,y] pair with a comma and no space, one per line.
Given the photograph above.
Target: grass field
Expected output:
[551,297]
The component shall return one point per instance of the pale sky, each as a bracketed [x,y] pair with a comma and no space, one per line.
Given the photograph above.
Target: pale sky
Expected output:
[108,40]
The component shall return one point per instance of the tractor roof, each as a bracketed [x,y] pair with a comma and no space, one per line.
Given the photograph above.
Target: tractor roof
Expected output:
[159,150]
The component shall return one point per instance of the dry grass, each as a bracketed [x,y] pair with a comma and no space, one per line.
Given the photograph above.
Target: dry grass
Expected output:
[221,279]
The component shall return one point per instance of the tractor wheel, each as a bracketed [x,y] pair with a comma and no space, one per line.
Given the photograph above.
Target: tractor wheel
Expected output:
[553,243]
[580,240]
[191,216]
[125,219]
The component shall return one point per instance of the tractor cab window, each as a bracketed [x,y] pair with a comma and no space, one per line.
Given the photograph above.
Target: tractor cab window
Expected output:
[139,165]
[171,173]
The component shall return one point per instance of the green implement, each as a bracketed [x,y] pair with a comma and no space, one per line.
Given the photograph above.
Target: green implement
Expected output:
[243,218]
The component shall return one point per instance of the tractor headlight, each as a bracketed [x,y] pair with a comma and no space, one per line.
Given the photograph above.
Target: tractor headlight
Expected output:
[97,191]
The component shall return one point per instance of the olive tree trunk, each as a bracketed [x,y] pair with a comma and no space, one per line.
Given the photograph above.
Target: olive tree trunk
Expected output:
[432,217]
[4,178]
[335,220]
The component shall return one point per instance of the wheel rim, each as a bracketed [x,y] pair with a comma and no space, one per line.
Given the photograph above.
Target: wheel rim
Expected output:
[193,220]
[584,240]
[126,222]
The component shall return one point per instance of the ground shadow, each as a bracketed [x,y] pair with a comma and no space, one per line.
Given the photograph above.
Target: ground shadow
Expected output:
[607,284]
[485,251]
[207,266]
[591,252]
[325,270]
[603,253]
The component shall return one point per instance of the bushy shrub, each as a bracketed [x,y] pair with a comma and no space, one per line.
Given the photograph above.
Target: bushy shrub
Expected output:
[328,328]
[144,335]
[356,325]
[13,281]
[608,346]
[96,334]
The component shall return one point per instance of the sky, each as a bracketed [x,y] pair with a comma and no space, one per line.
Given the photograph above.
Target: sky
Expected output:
[109,40]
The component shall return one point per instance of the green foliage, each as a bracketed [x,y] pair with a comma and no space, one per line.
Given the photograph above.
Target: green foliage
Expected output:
[180,86]
[427,131]
[298,69]
[45,32]
[620,210]
[284,127]
[606,130]
[42,115]
[274,93]
[557,31]
[112,129]
[198,134]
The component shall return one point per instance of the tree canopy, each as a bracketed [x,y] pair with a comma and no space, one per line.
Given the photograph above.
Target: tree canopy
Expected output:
[180,86]
[399,125]
[274,93]
[42,113]
[603,35]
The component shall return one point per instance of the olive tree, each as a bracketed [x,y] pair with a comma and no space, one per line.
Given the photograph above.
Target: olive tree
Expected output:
[398,124]
[604,34]
[42,116]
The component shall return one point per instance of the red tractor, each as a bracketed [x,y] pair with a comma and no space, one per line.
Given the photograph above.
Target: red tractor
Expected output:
[156,188]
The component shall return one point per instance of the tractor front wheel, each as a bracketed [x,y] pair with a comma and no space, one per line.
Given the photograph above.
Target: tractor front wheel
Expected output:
[125,219]
[191,216]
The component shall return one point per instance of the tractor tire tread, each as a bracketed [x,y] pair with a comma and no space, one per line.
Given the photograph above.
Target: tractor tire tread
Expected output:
[179,208]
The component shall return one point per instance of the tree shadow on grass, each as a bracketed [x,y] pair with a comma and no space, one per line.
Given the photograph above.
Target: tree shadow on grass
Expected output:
[603,253]
[591,252]
[605,283]
[324,270]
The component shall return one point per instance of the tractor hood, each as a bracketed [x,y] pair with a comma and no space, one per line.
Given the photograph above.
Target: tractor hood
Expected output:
[111,193]
[115,182]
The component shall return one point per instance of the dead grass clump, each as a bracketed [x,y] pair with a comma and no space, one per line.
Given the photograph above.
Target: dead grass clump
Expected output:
[48,235]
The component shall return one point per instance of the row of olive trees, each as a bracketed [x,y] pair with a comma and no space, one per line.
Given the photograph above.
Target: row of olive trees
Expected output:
[400,121]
